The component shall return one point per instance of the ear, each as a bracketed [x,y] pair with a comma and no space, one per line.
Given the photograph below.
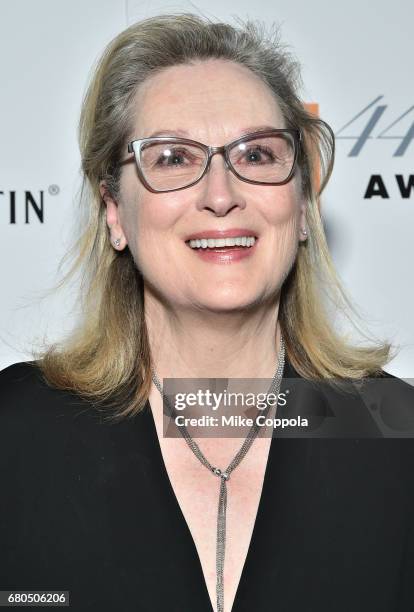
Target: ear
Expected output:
[118,238]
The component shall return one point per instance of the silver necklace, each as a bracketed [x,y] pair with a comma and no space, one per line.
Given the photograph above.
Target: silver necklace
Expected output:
[224,475]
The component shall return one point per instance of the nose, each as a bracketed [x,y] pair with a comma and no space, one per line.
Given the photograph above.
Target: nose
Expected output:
[220,193]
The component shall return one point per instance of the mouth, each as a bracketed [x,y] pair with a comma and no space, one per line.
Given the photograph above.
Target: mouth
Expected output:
[238,238]
[223,244]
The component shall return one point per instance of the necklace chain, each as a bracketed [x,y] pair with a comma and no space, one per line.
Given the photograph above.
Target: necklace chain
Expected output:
[224,475]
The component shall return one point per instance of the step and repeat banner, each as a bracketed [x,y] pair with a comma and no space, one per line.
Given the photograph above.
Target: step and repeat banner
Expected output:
[357,70]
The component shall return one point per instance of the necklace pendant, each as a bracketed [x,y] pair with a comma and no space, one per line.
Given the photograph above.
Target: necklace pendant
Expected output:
[218,472]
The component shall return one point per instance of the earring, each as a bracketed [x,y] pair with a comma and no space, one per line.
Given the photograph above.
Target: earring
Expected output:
[117,242]
[304,232]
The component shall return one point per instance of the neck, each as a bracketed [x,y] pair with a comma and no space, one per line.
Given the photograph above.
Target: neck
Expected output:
[189,343]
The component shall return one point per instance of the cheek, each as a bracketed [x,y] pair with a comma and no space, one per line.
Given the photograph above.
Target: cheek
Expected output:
[148,222]
[283,210]
[283,217]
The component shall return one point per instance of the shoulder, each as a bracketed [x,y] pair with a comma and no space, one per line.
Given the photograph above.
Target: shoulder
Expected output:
[50,435]
[16,373]
[385,389]
[374,406]
[392,400]
[23,383]
[29,406]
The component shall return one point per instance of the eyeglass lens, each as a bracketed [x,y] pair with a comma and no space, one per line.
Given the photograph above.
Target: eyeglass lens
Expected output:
[171,165]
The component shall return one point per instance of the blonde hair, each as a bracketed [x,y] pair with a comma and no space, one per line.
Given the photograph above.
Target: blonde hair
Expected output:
[107,357]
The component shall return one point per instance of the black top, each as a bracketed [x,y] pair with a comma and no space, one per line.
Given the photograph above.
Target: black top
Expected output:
[88,507]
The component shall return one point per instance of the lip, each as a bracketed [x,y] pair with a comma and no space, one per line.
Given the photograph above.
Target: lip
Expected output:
[224,255]
[216,233]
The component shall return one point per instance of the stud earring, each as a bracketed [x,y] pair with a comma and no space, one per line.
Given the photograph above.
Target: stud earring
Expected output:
[117,242]
[304,232]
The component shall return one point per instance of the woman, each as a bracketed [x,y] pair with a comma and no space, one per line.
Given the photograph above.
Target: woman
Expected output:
[204,257]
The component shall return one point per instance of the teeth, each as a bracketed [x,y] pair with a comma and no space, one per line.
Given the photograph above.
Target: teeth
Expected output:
[214,243]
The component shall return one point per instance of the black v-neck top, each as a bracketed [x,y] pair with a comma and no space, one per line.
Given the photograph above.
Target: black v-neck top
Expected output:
[88,507]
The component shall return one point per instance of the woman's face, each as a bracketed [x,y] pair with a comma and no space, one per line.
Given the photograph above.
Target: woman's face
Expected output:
[213,102]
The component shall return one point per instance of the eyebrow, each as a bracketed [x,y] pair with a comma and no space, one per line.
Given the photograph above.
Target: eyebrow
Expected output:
[185,134]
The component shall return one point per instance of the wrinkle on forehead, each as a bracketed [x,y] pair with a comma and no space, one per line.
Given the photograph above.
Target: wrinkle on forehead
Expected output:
[210,100]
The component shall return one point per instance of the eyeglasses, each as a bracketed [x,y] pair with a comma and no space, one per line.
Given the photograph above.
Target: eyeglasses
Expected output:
[167,163]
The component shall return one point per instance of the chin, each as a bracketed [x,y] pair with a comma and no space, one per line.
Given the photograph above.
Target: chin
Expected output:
[228,303]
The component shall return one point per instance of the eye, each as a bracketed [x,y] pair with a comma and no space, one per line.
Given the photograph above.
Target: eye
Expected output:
[254,155]
[174,157]
[171,157]
[274,150]
[259,154]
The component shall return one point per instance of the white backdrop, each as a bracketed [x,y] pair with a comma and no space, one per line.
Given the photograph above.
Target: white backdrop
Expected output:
[357,65]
